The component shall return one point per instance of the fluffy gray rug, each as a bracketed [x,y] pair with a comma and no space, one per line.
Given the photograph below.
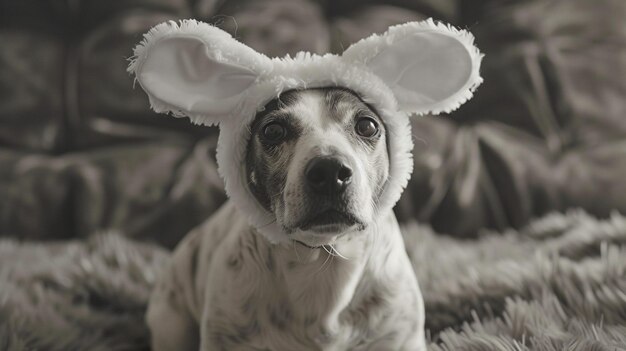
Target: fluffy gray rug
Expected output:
[559,284]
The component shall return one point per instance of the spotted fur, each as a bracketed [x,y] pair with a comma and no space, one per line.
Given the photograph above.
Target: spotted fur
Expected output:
[228,288]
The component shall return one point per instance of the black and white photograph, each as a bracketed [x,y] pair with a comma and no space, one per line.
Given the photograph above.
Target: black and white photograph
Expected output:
[325,175]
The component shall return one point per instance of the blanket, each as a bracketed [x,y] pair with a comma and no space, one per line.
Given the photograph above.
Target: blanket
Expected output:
[557,284]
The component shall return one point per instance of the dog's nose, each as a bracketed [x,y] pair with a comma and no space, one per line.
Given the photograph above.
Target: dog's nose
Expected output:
[328,174]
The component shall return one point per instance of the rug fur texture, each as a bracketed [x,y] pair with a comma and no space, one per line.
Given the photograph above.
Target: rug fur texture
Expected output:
[559,284]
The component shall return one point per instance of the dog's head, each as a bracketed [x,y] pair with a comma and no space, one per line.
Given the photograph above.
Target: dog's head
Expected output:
[310,147]
[318,160]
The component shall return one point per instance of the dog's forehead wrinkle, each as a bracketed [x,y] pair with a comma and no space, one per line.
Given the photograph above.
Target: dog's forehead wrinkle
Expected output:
[288,98]
[278,108]
[343,102]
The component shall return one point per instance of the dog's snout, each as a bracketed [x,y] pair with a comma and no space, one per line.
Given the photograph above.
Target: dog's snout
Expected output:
[328,174]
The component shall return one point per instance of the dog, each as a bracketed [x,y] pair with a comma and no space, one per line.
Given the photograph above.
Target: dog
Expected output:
[318,160]
[314,150]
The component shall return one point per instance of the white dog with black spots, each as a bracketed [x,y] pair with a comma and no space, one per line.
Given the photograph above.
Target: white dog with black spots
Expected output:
[315,151]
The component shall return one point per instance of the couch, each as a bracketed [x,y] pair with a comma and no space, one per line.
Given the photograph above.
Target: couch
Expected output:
[81,153]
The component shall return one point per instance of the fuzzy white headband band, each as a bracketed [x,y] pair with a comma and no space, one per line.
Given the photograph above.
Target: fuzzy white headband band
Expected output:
[196,70]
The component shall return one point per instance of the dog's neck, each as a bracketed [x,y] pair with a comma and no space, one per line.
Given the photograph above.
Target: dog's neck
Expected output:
[321,286]
[323,280]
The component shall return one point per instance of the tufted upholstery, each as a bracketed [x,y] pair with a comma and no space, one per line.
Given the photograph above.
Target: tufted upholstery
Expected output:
[81,152]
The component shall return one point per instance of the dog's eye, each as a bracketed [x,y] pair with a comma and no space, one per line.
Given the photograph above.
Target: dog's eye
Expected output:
[274,132]
[366,127]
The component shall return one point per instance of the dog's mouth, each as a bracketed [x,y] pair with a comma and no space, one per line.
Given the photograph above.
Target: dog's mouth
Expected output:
[329,221]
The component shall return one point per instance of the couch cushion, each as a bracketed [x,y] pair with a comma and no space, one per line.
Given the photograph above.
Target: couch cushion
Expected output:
[149,190]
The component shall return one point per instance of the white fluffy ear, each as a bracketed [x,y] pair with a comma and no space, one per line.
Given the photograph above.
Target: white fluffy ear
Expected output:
[430,67]
[196,70]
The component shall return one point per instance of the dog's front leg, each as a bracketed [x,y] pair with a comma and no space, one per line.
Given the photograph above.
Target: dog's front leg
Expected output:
[171,327]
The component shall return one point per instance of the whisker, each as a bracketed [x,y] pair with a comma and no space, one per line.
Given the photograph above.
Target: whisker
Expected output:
[332,258]
[323,264]
[326,249]
[338,254]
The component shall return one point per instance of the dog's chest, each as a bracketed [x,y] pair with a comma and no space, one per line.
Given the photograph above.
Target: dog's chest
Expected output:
[298,308]
[276,333]
[276,325]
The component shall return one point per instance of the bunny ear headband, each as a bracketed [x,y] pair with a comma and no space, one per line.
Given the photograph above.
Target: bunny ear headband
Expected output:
[196,70]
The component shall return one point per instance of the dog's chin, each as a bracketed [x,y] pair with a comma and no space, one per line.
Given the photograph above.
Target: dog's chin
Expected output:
[328,222]
[314,240]
[326,228]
